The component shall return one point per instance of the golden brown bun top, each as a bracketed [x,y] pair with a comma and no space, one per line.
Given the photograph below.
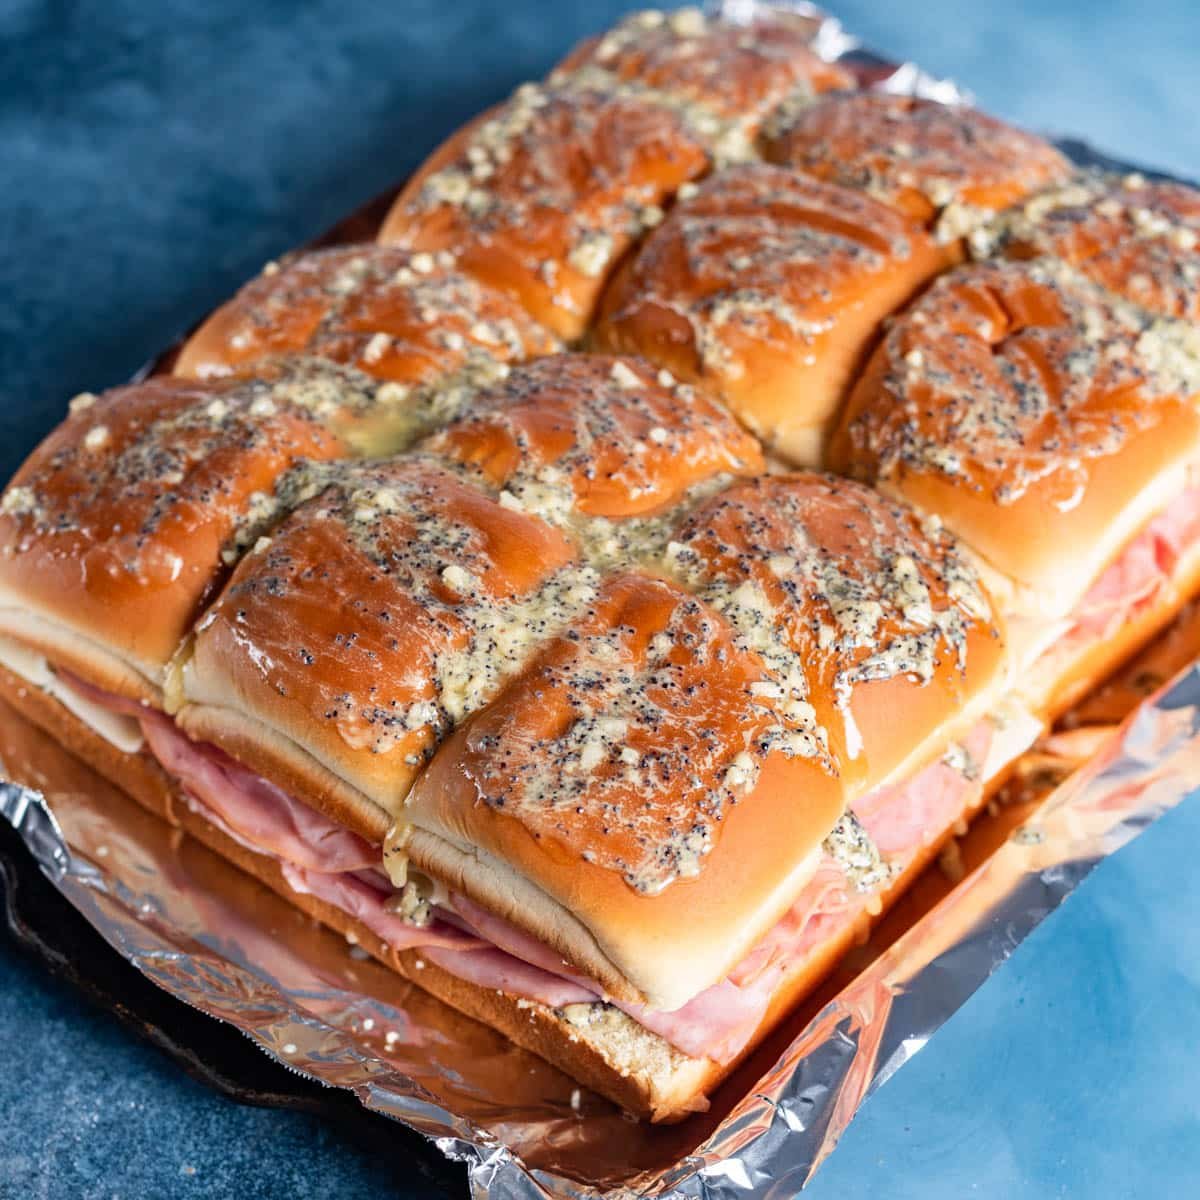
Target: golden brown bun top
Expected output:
[622,438]
[541,196]
[766,283]
[1137,237]
[642,772]
[737,71]
[1031,411]
[375,615]
[873,621]
[395,603]
[918,155]
[120,523]
[409,318]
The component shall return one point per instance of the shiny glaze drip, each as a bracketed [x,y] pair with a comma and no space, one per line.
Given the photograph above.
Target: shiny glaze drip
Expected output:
[947,166]
[1007,375]
[851,847]
[1137,237]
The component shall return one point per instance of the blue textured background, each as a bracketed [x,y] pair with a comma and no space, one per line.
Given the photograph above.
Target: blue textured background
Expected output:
[154,153]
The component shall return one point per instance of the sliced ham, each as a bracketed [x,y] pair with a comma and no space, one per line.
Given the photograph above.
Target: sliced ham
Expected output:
[720,1020]
[902,817]
[365,903]
[263,816]
[480,948]
[492,968]
[515,941]
[1140,575]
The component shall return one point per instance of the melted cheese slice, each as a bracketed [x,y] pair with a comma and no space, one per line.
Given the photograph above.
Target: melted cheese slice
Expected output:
[117,729]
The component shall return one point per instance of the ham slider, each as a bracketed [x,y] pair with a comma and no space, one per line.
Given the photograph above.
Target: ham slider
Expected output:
[1054,428]
[659,797]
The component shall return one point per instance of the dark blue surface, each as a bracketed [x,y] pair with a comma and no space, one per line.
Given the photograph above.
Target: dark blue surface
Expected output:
[155,153]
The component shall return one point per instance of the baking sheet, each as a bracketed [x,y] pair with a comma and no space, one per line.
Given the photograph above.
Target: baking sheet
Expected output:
[218,940]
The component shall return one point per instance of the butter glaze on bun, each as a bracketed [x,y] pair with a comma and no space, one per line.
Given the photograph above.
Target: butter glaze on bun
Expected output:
[542,196]
[738,72]
[947,166]
[1041,419]
[1137,237]
[395,315]
[769,286]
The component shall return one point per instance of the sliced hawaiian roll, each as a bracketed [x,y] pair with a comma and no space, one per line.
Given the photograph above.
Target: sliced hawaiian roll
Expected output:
[732,72]
[407,318]
[375,615]
[541,196]
[644,799]
[1137,237]
[680,738]
[122,524]
[1054,428]
[948,166]
[395,603]
[769,286]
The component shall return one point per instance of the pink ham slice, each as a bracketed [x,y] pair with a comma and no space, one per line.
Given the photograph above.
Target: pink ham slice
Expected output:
[720,1020]
[492,968]
[260,815]
[365,903]
[492,953]
[901,817]
[1139,576]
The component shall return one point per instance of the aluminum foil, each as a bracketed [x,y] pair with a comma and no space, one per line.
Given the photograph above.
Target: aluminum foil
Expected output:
[221,942]
[216,939]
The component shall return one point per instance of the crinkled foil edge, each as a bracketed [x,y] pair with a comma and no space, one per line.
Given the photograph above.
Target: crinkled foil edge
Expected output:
[778,1135]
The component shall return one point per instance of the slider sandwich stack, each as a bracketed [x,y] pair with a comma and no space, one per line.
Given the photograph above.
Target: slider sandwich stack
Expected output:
[601,596]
